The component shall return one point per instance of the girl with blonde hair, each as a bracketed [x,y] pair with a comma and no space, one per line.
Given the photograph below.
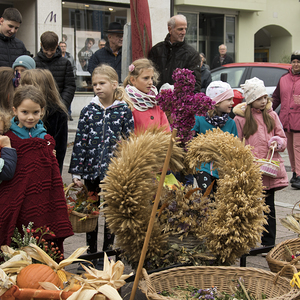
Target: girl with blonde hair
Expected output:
[55,117]
[139,87]
[6,89]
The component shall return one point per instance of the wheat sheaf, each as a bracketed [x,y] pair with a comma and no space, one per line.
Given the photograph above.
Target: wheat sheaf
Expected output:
[129,189]
[236,223]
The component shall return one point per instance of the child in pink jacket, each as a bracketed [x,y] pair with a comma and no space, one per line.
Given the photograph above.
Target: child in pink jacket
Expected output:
[260,126]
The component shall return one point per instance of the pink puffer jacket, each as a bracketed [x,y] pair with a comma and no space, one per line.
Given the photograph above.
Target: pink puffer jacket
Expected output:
[287,93]
[261,141]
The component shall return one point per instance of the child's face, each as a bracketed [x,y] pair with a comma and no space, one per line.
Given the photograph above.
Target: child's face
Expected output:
[260,103]
[104,89]
[20,69]
[49,52]
[225,106]
[28,113]
[1,127]
[144,81]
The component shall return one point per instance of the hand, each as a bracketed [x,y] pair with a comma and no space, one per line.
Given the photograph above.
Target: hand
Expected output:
[274,145]
[5,141]
[54,152]
[78,182]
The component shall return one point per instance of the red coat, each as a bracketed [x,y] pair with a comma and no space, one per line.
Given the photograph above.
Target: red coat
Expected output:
[35,194]
[261,141]
[287,93]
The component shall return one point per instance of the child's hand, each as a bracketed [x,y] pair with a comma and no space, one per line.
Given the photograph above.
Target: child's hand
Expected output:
[54,152]
[274,145]
[5,141]
[78,182]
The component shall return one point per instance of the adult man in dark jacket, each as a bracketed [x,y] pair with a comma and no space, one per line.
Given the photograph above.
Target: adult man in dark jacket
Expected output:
[10,47]
[174,53]
[50,58]
[222,59]
[111,54]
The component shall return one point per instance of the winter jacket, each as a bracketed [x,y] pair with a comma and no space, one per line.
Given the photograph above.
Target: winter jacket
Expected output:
[201,126]
[106,56]
[98,133]
[8,162]
[261,141]
[62,71]
[56,124]
[205,79]
[10,49]
[287,93]
[217,62]
[167,57]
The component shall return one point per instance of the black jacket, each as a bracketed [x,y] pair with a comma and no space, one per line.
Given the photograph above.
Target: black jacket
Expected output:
[9,155]
[10,49]
[62,71]
[217,62]
[56,124]
[105,55]
[205,78]
[167,57]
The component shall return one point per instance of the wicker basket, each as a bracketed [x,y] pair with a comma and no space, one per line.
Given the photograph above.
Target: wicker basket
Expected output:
[278,257]
[267,167]
[87,225]
[257,281]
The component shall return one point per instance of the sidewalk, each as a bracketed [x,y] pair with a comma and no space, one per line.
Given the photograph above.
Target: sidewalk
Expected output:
[284,201]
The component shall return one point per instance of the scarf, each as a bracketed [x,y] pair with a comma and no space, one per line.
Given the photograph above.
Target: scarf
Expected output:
[217,121]
[140,100]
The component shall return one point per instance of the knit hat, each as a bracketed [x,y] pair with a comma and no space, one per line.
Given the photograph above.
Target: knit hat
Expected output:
[219,91]
[24,61]
[253,89]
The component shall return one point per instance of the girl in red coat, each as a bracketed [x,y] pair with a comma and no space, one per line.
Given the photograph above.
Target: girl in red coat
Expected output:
[139,86]
[35,194]
[259,125]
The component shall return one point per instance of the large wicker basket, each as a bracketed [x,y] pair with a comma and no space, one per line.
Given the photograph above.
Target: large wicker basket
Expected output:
[257,281]
[87,225]
[279,257]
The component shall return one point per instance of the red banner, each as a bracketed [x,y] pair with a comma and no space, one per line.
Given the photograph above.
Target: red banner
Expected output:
[140,28]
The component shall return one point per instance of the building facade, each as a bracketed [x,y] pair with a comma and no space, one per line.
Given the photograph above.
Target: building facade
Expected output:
[253,30]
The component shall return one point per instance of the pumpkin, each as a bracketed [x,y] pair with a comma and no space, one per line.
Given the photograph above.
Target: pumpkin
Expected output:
[30,276]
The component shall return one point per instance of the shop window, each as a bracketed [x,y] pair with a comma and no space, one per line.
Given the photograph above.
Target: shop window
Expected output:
[83,26]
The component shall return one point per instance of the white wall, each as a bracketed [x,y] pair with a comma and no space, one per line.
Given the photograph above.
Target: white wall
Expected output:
[46,10]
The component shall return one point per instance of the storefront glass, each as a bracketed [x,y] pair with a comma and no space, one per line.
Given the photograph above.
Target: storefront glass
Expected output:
[83,26]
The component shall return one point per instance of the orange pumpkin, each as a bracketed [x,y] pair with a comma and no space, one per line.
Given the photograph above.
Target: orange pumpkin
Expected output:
[30,276]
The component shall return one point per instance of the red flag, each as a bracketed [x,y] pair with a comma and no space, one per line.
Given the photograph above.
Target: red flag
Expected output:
[140,28]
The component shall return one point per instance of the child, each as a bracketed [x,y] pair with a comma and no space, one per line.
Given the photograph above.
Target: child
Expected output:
[259,125]
[6,89]
[23,63]
[55,117]
[102,123]
[8,157]
[139,86]
[49,57]
[35,194]
[222,94]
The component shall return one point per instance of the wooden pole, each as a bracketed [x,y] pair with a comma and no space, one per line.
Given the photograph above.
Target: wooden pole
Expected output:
[153,214]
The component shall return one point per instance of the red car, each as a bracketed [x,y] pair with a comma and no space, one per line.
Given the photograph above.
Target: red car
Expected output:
[238,73]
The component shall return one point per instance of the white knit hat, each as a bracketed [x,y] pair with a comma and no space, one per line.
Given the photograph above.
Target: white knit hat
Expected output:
[219,91]
[253,89]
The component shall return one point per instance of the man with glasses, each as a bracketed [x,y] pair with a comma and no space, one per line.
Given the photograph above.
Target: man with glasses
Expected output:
[111,53]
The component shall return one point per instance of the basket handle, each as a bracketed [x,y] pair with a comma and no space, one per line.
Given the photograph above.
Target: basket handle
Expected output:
[147,287]
[273,149]
[283,269]
[73,184]
[295,206]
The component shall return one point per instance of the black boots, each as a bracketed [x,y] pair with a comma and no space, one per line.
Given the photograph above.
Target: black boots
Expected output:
[296,183]
[293,179]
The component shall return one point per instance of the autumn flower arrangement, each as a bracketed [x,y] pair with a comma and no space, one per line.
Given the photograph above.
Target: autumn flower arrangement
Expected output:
[182,104]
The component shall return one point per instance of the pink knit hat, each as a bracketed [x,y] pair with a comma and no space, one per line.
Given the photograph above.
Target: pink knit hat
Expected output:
[219,91]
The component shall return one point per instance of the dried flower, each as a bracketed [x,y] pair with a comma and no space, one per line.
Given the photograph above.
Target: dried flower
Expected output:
[182,104]
[131,68]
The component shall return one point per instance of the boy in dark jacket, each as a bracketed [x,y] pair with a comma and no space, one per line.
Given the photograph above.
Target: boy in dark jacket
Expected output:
[10,46]
[50,58]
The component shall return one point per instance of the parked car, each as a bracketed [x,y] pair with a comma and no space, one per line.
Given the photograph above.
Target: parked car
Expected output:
[237,73]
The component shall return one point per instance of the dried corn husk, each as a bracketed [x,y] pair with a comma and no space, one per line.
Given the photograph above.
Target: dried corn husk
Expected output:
[291,223]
